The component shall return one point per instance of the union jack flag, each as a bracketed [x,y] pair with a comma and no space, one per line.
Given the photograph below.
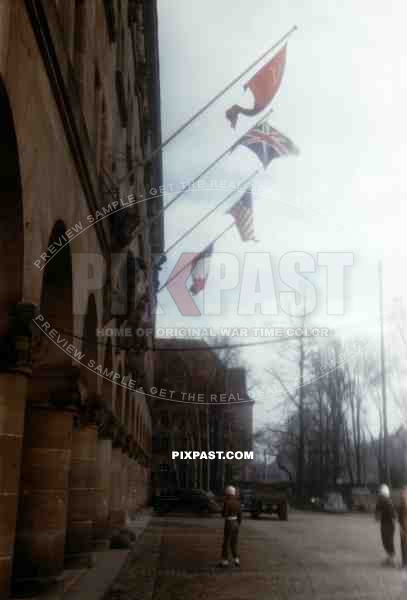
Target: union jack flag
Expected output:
[267,143]
[242,212]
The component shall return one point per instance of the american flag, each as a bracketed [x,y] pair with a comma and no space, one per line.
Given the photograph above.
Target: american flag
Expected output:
[267,143]
[242,212]
[201,270]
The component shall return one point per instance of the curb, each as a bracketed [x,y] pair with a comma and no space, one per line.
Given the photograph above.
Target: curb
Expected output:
[96,583]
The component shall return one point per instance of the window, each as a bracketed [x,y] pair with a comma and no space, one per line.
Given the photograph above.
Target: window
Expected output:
[100,128]
[140,245]
[139,427]
[103,137]
[121,65]
[130,127]
[79,41]
[97,116]
[165,421]
[127,409]
[110,20]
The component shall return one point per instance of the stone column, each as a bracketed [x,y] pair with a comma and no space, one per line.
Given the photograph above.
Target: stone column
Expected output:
[15,366]
[13,390]
[133,485]
[4,35]
[146,482]
[117,514]
[82,497]
[41,528]
[129,487]
[143,485]
[101,532]
[140,485]
[136,485]
[126,485]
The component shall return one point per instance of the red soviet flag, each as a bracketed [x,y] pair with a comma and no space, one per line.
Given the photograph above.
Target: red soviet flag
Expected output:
[264,86]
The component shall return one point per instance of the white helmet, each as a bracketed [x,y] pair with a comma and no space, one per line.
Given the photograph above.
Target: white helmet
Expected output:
[230,491]
[384,491]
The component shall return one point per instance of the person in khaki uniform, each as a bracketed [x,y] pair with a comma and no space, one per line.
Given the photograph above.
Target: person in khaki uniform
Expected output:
[386,515]
[232,514]
[403,526]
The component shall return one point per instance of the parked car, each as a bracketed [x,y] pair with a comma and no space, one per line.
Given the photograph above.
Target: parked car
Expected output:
[187,500]
[246,498]
[265,497]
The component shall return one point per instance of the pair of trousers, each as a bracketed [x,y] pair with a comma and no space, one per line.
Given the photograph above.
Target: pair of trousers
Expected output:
[230,539]
[387,531]
[403,545]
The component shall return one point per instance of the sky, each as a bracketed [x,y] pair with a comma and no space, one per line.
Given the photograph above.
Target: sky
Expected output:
[342,102]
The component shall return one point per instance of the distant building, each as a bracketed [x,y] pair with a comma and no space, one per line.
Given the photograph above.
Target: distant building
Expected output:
[203,414]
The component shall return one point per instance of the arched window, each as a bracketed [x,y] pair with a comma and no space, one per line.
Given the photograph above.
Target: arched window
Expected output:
[57,299]
[137,429]
[11,221]
[107,386]
[140,428]
[79,41]
[90,344]
[100,125]
[131,283]
[122,394]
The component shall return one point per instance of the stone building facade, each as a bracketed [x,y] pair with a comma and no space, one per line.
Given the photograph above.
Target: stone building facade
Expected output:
[79,111]
[206,408]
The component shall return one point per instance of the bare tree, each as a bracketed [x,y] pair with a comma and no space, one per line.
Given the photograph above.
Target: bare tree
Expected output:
[324,437]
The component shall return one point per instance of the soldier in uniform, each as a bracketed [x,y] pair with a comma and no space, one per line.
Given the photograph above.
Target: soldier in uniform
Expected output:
[232,514]
[403,526]
[386,514]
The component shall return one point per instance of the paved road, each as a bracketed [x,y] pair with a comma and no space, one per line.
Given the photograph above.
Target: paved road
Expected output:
[312,557]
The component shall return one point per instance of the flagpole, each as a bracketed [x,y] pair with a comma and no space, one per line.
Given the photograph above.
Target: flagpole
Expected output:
[210,103]
[145,222]
[195,259]
[205,171]
[208,214]
[383,377]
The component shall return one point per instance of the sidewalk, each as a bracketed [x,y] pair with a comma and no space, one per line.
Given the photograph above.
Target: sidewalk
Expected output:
[94,583]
